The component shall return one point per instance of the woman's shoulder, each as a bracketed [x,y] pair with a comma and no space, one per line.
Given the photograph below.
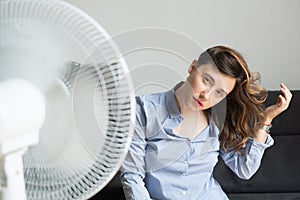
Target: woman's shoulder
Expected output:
[152,106]
[152,99]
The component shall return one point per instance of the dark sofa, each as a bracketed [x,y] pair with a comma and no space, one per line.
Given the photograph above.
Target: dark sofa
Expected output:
[279,175]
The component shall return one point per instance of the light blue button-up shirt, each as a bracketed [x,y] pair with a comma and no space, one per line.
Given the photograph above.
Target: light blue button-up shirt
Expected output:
[163,165]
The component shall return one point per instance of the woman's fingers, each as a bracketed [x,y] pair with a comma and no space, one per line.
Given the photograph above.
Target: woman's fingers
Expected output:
[287,93]
[285,97]
[283,101]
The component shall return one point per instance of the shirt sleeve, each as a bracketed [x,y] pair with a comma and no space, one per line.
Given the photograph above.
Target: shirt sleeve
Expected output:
[133,167]
[245,164]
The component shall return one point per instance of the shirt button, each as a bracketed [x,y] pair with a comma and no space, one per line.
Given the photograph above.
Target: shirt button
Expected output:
[184,173]
[184,192]
[186,163]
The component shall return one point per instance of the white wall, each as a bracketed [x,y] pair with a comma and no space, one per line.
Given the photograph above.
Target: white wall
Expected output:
[266,32]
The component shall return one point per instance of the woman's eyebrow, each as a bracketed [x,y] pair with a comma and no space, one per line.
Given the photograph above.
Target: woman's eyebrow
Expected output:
[224,91]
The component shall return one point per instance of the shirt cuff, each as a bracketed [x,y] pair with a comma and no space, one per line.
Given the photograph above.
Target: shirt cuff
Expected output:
[260,147]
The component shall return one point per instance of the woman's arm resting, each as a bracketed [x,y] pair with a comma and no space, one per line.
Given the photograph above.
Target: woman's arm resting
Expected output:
[245,165]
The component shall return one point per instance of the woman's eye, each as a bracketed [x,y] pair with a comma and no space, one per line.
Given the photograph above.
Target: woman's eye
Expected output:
[206,80]
[219,93]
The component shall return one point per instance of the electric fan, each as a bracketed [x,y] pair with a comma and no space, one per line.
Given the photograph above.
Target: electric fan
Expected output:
[61,76]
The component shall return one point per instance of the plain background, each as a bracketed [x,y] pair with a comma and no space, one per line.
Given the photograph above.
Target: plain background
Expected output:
[160,38]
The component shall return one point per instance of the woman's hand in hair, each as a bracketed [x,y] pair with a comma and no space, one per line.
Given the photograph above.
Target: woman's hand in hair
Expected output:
[281,105]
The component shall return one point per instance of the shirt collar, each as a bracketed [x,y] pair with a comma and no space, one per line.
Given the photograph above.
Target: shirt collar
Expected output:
[172,103]
[214,130]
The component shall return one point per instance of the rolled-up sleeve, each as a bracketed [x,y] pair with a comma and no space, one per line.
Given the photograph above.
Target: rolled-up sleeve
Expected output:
[245,164]
[133,167]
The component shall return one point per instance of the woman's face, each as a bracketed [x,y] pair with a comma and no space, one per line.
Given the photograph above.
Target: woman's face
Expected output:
[208,86]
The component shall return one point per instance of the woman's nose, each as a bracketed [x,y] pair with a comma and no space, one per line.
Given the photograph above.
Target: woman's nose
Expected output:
[205,94]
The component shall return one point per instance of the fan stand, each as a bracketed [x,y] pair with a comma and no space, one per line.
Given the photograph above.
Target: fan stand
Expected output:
[12,179]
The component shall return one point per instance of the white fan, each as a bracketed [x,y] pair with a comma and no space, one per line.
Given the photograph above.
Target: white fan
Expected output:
[64,87]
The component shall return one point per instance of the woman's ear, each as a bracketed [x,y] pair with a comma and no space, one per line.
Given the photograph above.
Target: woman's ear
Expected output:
[193,65]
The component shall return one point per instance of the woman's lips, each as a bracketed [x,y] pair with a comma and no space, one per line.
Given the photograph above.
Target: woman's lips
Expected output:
[198,102]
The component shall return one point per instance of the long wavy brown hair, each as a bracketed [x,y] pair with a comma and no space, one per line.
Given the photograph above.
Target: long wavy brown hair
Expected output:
[243,108]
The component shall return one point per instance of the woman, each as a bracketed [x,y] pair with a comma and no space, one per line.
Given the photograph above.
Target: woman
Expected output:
[218,110]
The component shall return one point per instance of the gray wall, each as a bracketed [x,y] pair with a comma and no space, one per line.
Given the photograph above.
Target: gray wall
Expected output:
[160,38]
